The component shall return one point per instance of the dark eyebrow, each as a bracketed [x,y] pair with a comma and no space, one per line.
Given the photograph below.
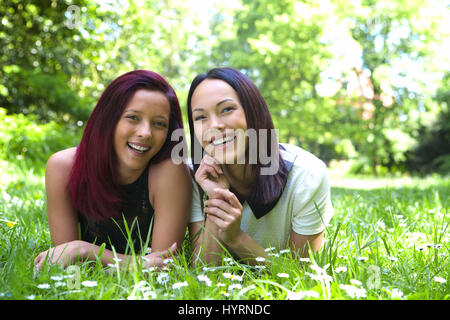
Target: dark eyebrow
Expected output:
[224,100]
[217,104]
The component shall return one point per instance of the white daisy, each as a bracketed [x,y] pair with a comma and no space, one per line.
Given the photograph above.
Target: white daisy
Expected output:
[362,258]
[273,255]
[44,286]
[302,294]
[340,269]
[89,283]
[283,275]
[396,293]
[353,291]
[205,279]
[356,282]
[439,279]
[179,285]
[392,258]
[260,267]
[226,294]
[162,278]
[232,276]
[234,286]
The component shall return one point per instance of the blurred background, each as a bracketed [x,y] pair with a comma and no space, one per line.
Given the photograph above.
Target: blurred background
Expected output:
[362,84]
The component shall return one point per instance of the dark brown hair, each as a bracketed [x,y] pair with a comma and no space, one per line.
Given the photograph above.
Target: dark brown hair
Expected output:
[268,188]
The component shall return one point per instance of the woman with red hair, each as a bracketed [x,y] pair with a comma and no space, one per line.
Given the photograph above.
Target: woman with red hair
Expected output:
[117,186]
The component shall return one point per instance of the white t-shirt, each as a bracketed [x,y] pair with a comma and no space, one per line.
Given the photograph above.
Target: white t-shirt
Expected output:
[295,210]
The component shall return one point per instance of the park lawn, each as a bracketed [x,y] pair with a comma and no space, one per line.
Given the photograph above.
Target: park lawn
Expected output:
[388,239]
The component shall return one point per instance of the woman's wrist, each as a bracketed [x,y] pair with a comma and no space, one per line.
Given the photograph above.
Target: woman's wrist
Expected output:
[237,242]
[246,247]
[83,248]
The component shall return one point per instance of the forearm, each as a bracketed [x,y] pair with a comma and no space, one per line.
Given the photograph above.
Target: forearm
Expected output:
[247,248]
[208,247]
[91,252]
[155,259]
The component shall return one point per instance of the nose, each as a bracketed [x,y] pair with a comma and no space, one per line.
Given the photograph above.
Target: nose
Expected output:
[215,123]
[213,128]
[144,130]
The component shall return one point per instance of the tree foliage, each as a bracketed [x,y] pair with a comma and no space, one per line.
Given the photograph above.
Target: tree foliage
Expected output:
[343,79]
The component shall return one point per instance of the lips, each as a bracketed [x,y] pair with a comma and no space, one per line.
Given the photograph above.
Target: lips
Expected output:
[221,141]
[138,147]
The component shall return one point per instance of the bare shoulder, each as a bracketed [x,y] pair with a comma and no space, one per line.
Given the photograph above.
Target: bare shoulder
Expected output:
[167,173]
[61,162]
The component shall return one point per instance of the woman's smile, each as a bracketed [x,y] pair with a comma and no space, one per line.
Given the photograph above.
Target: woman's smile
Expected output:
[219,121]
[138,148]
[141,132]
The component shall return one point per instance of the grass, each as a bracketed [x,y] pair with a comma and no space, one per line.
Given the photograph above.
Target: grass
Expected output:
[389,239]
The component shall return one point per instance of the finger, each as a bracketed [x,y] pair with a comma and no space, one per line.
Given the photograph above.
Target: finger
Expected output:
[54,256]
[208,160]
[206,169]
[211,170]
[40,260]
[168,252]
[217,221]
[229,196]
[224,205]
[219,213]
[37,259]
[214,169]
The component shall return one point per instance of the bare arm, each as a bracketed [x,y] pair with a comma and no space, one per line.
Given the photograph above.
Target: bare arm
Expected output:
[62,216]
[63,221]
[170,190]
[206,245]
[204,235]
[225,216]
[300,244]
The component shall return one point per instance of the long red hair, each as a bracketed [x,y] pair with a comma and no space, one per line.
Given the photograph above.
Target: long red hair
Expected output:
[92,184]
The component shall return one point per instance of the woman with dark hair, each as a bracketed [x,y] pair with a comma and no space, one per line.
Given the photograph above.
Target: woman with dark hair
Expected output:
[117,186]
[260,194]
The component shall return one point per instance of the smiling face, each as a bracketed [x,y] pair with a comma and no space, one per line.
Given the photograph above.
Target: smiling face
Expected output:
[140,133]
[219,121]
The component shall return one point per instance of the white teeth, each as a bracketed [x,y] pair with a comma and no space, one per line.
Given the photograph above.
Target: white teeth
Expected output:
[138,148]
[223,140]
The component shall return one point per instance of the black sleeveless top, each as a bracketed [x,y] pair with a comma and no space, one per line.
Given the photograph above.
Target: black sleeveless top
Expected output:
[136,211]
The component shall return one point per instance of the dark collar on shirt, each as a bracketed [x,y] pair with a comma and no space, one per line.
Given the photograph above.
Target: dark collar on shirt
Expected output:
[261,209]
